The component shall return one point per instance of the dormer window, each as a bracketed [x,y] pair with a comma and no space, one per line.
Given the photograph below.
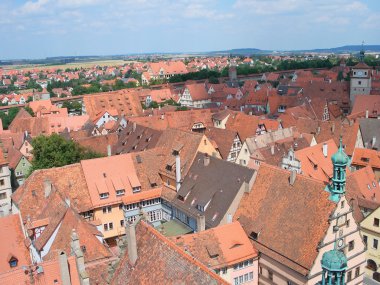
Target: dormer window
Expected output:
[13,262]
[200,208]
[120,192]
[104,195]
[169,167]
[136,189]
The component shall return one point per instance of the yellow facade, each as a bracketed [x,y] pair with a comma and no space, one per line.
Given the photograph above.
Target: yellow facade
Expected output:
[111,214]
[370,230]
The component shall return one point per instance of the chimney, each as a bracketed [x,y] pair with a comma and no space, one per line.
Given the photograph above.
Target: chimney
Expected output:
[366,113]
[272,149]
[64,268]
[67,201]
[134,127]
[162,116]
[201,223]
[333,128]
[130,233]
[293,176]
[373,142]
[206,159]
[79,257]
[47,187]
[324,149]
[318,130]
[178,172]
[109,152]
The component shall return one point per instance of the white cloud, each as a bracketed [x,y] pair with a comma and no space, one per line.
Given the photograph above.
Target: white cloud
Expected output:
[32,7]
[198,10]
[80,3]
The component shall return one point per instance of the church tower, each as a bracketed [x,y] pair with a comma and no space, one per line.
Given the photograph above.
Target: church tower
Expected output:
[360,83]
[337,187]
[334,266]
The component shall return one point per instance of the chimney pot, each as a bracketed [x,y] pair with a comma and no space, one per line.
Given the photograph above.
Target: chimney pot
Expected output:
[325,149]
[206,159]
[292,178]
[109,151]
[178,172]
[366,113]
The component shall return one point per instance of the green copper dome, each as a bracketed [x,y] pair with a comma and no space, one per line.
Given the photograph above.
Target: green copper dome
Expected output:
[340,157]
[334,260]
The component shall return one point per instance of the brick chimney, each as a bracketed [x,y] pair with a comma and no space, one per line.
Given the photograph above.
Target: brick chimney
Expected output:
[130,233]
[64,268]
[178,172]
[201,223]
[76,250]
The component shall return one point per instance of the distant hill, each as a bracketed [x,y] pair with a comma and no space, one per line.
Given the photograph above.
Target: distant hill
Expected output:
[342,49]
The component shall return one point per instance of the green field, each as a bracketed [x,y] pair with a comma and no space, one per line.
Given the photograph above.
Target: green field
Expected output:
[84,64]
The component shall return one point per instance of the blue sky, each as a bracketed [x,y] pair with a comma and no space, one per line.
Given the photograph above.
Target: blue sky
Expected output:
[42,28]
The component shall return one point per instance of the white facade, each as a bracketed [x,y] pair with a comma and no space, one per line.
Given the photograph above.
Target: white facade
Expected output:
[5,190]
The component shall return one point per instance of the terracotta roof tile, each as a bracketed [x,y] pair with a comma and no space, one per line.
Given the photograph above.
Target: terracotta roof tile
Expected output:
[166,262]
[299,213]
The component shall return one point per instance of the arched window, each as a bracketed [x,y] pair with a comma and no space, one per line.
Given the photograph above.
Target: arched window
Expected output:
[371,265]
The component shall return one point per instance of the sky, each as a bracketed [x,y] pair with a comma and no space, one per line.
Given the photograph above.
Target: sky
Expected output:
[45,28]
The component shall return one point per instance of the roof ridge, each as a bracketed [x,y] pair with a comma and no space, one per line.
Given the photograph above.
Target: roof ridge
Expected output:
[287,171]
[178,250]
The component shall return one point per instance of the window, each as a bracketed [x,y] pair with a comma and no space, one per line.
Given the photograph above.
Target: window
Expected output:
[2,182]
[375,243]
[13,262]
[365,239]
[110,225]
[155,215]
[357,271]
[3,196]
[105,226]
[122,223]
[376,222]
[136,189]
[349,276]
[342,204]
[120,192]
[104,195]
[270,275]
[107,209]
[351,245]
[120,206]
[348,223]
[224,270]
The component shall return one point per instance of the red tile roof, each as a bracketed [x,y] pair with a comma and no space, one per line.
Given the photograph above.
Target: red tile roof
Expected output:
[288,220]
[12,244]
[162,262]
[218,247]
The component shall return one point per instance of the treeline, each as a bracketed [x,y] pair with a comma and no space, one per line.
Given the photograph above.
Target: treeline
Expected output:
[312,63]
[81,87]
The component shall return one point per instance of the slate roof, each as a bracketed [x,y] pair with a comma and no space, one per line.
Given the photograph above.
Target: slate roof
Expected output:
[209,185]
[289,220]
[136,138]
[160,261]
[370,128]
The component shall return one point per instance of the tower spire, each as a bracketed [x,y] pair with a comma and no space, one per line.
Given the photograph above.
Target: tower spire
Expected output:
[362,53]
[337,187]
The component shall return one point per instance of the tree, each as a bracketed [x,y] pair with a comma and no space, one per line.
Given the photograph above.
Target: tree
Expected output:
[8,118]
[55,151]
[340,76]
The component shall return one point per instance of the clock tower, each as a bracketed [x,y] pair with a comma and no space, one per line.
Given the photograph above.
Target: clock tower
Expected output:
[360,83]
